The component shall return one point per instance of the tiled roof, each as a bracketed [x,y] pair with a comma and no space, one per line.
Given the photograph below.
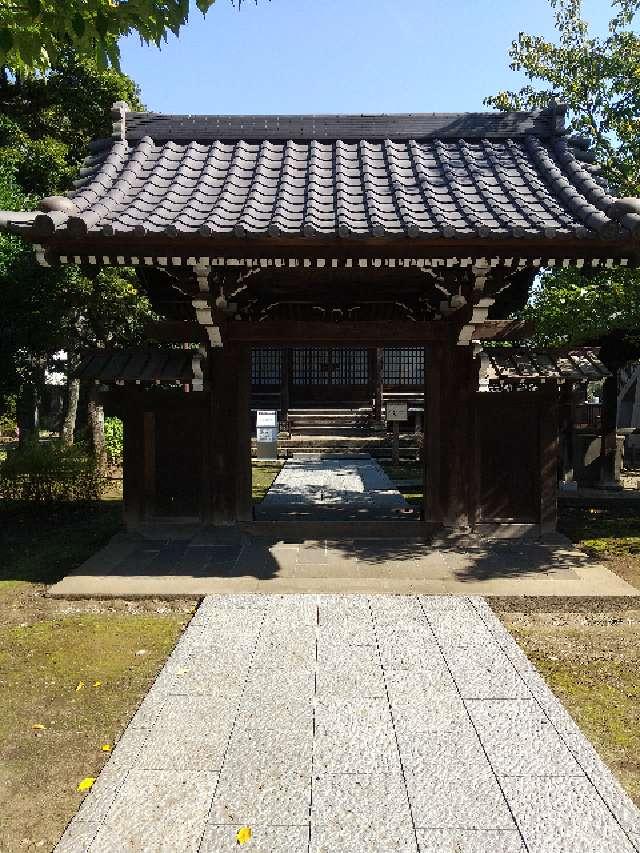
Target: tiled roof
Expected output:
[138,365]
[431,176]
[508,364]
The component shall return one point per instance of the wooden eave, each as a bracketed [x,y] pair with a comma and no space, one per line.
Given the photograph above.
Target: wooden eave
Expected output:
[185,247]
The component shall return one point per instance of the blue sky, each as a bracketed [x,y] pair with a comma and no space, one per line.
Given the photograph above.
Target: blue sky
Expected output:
[306,56]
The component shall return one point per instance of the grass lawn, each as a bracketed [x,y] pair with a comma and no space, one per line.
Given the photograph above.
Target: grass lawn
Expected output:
[411,473]
[609,530]
[48,647]
[589,655]
[589,651]
[264,473]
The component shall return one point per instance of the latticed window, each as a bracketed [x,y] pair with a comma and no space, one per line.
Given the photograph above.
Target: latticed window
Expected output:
[329,366]
[266,366]
[403,366]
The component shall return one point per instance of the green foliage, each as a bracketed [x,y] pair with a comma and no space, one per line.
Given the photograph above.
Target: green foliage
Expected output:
[45,125]
[114,440]
[50,472]
[570,308]
[598,78]
[47,121]
[34,33]
[8,422]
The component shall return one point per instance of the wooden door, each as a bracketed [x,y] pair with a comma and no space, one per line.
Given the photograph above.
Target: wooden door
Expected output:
[508,457]
[178,462]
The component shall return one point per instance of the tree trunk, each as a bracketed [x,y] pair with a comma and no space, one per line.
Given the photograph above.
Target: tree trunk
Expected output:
[28,413]
[71,409]
[95,413]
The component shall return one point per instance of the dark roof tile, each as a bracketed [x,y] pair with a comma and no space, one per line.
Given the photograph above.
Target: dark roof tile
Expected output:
[495,175]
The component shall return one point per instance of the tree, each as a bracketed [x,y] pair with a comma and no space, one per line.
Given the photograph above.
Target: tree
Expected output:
[598,78]
[34,34]
[45,123]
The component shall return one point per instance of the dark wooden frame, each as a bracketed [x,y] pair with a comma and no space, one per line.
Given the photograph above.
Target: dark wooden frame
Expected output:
[452,450]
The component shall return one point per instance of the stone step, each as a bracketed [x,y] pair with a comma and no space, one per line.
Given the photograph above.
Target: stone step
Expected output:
[329,429]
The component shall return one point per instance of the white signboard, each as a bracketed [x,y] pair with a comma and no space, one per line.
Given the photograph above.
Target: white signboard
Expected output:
[266,419]
[268,434]
[397,412]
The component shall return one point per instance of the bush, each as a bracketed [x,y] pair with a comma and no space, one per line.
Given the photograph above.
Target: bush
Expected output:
[8,422]
[113,440]
[51,471]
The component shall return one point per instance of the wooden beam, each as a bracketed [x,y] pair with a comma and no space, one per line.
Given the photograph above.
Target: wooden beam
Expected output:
[175,331]
[307,249]
[348,333]
[502,330]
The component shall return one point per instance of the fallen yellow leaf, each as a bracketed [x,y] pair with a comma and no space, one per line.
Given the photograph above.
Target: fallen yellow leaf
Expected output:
[97,684]
[106,747]
[38,727]
[80,686]
[243,835]
[86,784]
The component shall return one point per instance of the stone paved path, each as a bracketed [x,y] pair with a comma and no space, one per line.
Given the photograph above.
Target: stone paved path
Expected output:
[343,724]
[319,487]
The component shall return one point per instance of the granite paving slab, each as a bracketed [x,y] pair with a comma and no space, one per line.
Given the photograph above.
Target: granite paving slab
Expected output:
[326,488]
[216,561]
[332,724]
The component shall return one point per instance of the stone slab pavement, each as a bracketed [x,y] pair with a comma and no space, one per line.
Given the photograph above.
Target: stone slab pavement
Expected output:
[313,486]
[343,724]
[168,561]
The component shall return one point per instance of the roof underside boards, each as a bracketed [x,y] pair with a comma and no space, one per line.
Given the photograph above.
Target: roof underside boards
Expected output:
[495,177]
[138,365]
[512,364]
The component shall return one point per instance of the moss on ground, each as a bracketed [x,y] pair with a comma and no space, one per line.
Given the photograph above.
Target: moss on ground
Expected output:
[81,676]
[47,648]
[40,544]
[264,473]
[591,662]
[609,530]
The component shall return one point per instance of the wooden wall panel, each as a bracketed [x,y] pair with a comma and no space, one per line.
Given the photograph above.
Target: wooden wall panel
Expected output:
[508,480]
[178,463]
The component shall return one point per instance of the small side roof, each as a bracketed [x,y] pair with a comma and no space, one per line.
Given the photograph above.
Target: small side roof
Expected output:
[517,364]
[138,365]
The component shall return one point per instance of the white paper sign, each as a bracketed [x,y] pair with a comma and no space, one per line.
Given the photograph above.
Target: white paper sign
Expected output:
[266,419]
[397,412]
[267,434]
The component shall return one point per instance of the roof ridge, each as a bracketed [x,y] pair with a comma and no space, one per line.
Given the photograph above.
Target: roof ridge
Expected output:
[134,125]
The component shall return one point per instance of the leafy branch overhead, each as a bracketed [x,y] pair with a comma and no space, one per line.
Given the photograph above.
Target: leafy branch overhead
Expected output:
[597,77]
[33,33]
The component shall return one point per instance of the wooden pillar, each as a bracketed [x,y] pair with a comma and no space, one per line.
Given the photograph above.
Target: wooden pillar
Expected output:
[133,461]
[566,423]
[549,454]
[608,439]
[378,385]
[285,393]
[229,457]
[432,501]
[459,385]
